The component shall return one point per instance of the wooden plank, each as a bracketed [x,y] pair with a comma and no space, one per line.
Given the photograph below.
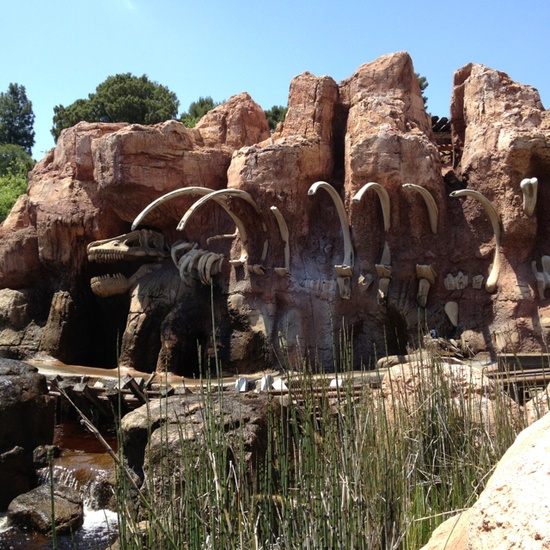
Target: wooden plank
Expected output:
[127,382]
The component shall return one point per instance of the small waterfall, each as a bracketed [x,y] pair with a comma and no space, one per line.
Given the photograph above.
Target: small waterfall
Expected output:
[91,474]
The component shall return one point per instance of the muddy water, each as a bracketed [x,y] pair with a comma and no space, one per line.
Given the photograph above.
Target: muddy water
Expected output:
[82,463]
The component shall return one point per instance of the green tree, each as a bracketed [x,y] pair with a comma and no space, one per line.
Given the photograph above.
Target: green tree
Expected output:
[15,164]
[16,118]
[14,160]
[197,110]
[120,98]
[276,114]
[423,83]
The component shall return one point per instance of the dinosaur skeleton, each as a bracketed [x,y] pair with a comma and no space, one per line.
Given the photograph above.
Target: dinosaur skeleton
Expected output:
[149,246]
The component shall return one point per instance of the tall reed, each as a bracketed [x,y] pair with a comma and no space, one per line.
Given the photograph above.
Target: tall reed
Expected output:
[343,467]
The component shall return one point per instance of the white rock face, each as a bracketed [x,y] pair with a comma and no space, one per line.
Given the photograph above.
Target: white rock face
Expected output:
[514,509]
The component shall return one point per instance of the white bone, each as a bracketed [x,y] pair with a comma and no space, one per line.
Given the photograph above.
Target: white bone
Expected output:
[543,277]
[283,229]
[426,272]
[216,196]
[477,281]
[433,211]
[168,196]
[383,270]
[384,200]
[449,282]
[205,191]
[451,309]
[213,195]
[492,279]
[348,248]
[427,275]
[423,291]
[529,188]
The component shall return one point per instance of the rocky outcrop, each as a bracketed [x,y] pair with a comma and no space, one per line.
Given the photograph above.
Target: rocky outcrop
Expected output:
[301,264]
[158,435]
[501,137]
[27,414]
[33,510]
[514,510]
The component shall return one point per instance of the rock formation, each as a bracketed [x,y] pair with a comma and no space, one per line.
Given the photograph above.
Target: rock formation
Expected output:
[33,510]
[301,264]
[27,414]
[158,434]
[513,511]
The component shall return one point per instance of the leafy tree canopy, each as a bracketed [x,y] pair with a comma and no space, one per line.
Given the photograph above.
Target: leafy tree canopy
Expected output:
[15,160]
[423,83]
[15,164]
[16,118]
[197,110]
[276,114]
[120,98]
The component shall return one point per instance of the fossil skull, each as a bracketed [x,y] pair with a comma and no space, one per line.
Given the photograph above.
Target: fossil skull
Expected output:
[143,244]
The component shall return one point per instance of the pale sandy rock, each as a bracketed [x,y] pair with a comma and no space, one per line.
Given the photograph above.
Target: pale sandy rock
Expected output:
[452,534]
[514,509]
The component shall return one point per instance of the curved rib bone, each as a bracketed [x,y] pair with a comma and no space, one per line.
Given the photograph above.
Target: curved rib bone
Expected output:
[491,283]
[344,223]
[384,200]
[433,211]
[168,196]
[215,195]
[529,187]
[204,191]
[219,196]
[283,229]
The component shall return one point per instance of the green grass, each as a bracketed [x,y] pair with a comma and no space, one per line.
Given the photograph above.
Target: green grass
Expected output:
[356,471]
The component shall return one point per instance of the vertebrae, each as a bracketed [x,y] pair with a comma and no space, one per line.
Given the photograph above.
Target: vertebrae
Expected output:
[195,263]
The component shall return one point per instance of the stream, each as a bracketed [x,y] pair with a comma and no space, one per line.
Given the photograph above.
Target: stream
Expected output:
[83,465]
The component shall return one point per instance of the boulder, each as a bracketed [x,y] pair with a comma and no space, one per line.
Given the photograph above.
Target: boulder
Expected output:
[27,413]
[33,510]
[174,425]
[513,511]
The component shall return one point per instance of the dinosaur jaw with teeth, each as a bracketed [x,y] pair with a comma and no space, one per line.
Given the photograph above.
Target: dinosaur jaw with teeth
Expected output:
[106,286]
[137,246]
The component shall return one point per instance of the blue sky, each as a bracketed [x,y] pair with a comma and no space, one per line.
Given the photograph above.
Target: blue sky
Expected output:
[60,50]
